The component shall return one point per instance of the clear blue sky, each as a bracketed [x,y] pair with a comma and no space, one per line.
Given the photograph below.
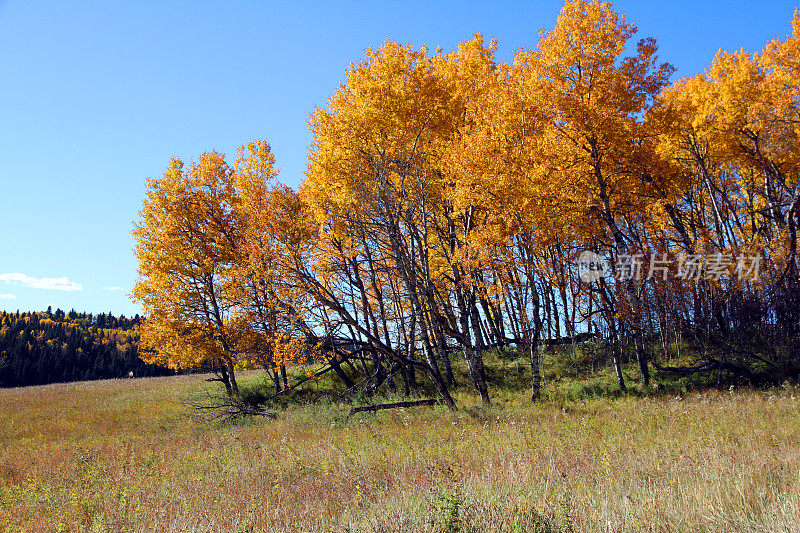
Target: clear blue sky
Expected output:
[97,97]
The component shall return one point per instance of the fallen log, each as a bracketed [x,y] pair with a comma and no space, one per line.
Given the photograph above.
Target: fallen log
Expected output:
[394,405]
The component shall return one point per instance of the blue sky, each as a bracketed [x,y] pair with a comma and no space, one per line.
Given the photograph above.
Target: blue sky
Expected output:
[97,97]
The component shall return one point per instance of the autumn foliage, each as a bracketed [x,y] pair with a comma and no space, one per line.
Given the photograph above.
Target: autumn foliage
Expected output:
[447,200]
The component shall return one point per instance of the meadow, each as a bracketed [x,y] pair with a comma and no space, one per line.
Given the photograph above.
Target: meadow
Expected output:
[135,455]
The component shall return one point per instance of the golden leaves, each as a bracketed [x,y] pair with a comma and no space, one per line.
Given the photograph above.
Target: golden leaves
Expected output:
[189,246]
[447,169]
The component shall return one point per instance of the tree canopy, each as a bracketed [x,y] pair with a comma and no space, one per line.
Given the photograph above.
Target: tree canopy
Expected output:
[448,200]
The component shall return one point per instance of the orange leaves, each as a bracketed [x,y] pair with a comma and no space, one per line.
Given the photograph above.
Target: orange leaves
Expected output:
[377,128]
[587,38]
[254,169]
[188,243]
[433,175]
[593,100]
[562,123]
[735,131]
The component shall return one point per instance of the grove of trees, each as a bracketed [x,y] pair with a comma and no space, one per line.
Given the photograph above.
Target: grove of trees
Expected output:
[448,199]
[54,346]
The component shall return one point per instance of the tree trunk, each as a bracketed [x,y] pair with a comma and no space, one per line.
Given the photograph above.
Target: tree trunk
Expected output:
[474,361]
[536,380]
[284,377]
[635,321]
[334,362]
[233,388]
[638,336]
[616,356]
[536,373]
[448,367]
[225,378]
[276,379]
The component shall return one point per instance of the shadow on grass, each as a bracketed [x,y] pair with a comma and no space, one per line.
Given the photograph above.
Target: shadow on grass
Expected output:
[570,376]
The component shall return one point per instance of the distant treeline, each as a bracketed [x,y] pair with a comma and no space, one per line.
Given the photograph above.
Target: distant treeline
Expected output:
[54,346]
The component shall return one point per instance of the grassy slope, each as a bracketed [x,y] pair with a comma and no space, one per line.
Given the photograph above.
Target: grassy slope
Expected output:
[125,456]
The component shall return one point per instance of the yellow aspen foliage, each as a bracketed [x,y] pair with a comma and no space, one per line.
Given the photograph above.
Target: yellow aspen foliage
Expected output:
[185,244]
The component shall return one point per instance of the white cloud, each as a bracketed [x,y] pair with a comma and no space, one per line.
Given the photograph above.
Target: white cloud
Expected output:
[112,288]
[52,284]
[7,297]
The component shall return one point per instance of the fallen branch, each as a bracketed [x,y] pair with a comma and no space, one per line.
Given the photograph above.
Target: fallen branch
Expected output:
[381,406]
[287,389]
[208,408]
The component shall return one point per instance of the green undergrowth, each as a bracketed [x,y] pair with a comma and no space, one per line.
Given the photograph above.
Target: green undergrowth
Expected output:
[573,375]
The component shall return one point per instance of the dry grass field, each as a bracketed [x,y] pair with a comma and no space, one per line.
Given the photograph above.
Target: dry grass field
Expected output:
[127,455]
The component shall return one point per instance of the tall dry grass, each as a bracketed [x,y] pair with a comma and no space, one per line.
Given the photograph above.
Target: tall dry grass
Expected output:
[125,456]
